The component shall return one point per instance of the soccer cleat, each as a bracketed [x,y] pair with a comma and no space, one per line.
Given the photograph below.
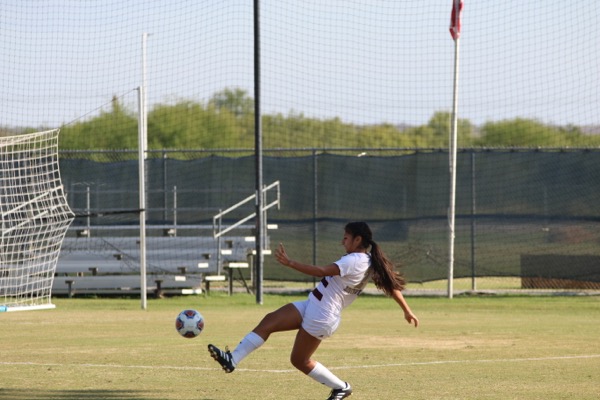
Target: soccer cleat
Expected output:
[338,394]
[224,358]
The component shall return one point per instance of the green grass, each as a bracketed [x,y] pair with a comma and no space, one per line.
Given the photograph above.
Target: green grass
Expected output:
[495,347]
[460,284]
[481,283]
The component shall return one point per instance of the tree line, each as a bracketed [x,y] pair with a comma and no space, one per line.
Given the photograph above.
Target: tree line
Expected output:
[226,121]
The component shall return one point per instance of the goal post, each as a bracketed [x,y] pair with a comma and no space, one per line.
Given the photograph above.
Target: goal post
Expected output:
[35,217]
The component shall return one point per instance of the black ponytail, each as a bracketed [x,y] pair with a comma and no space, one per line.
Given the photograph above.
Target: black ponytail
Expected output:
[385,277]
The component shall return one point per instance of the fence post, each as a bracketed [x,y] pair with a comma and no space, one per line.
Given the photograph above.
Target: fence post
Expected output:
[315,210]
[473,222]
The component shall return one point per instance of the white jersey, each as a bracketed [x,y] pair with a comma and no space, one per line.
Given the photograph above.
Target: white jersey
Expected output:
[335,293]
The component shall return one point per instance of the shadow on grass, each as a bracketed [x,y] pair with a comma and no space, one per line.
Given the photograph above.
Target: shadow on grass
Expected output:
[90,394]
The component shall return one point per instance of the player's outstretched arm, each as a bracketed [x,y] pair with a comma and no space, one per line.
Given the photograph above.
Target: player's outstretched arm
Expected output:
[312,270]
[408,314]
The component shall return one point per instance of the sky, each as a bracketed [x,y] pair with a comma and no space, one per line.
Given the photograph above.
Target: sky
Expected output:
[366,62]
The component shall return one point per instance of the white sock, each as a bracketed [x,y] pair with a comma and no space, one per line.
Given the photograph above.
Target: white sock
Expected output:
[249,343]
[322,375]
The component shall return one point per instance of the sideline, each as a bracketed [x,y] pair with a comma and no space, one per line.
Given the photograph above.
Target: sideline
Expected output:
[283,371]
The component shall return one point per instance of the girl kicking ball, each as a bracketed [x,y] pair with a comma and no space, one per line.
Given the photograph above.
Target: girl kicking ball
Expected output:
[317,317]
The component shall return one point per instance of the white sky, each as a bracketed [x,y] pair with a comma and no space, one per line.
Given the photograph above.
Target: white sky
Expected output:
[364,61]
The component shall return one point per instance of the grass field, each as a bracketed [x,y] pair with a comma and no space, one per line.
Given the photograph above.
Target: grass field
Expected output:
[490,347]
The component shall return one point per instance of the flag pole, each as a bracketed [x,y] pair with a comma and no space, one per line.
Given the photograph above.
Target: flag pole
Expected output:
[455,23]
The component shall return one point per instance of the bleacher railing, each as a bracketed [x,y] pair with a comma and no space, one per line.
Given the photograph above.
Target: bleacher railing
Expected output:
[219,229]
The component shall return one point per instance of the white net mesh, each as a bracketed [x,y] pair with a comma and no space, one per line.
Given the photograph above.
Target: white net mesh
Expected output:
[34,216]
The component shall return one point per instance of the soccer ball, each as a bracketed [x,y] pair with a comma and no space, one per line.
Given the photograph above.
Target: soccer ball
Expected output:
[189,323]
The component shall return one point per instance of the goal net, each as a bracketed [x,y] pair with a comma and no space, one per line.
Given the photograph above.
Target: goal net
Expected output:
[35,217]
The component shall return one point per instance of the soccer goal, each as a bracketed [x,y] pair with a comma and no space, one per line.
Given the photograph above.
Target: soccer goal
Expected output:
[35,217]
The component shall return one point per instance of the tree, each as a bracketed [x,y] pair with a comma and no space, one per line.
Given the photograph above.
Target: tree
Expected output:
[114,129]
[441,126]
[520,132]
[189,125]
[236,101]
[227,121]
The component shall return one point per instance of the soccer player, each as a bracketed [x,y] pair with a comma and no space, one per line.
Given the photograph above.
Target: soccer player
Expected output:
[317,317]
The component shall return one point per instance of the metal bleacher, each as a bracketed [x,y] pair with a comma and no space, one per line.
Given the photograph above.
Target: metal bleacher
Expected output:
[191,263]
[103,260]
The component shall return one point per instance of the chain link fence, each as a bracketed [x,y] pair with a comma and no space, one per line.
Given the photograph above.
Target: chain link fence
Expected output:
[522,213]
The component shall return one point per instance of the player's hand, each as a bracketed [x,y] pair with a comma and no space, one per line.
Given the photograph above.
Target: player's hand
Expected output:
[282,256]
[411,318]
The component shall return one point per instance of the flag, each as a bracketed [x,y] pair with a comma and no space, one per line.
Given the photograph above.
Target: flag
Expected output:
[455,18]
